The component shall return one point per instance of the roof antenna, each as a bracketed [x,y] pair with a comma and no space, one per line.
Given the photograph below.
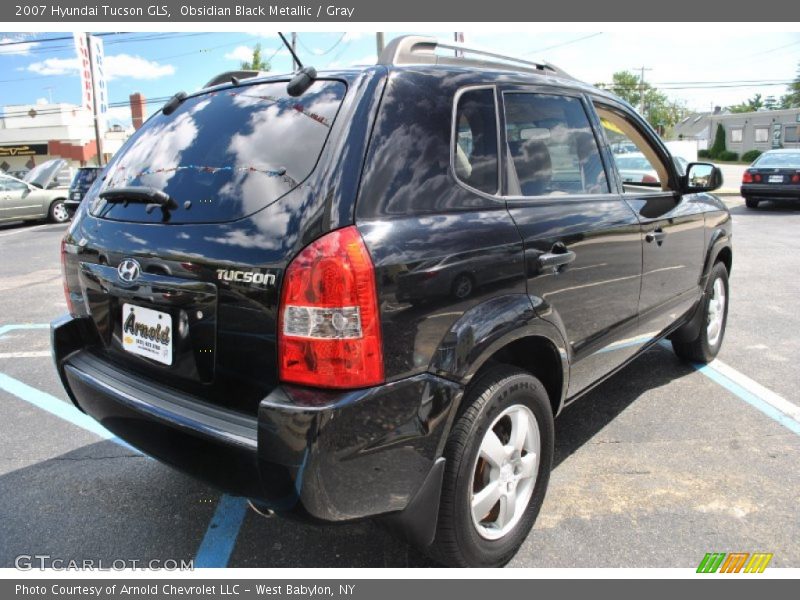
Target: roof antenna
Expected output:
[304,77]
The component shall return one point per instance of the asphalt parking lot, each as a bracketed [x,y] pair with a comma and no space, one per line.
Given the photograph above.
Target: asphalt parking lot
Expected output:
[657,466]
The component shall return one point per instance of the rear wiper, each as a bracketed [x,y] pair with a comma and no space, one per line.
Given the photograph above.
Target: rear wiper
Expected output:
[140,195]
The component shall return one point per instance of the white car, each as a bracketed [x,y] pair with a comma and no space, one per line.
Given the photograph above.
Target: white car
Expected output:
[635,168]
[41,195]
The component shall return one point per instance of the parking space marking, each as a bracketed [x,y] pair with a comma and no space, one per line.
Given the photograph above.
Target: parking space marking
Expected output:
[4,329]
[752,397]
[29,229]
[223,530]
[54,406]
[32,354]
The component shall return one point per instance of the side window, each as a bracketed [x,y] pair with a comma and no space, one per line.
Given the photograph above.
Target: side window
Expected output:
[475,157]
[551,146]
[14,186]
[636,160]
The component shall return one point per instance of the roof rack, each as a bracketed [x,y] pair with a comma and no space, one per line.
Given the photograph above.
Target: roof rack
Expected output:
[415,50]
[239,74]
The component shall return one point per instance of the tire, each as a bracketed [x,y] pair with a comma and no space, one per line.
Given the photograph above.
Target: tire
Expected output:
[58,212]
[460,540]
[462,287]
[706,345]
[751,202]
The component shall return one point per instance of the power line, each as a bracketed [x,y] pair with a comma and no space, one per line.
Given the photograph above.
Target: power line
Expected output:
[580,39]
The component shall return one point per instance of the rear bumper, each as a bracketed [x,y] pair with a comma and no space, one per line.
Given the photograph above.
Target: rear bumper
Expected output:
[770,192]
[332,456]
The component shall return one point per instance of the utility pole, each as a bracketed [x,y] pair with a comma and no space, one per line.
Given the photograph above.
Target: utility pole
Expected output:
[641,90]
[49,89]
[295,66]
[379,42]
[97,137]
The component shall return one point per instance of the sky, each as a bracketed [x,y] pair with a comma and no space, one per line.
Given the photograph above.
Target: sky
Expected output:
[698,69]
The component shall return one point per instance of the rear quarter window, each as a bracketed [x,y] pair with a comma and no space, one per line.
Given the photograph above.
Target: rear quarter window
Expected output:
[227,153]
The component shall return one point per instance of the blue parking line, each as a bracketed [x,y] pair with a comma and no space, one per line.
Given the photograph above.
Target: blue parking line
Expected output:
[54,406]
[749,397]
[4,329]
[217,545]
[220,537]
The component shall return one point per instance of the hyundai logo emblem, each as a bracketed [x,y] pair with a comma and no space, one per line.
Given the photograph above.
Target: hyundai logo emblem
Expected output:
[128,270]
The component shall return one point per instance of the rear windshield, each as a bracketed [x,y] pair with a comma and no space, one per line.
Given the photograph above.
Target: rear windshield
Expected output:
[226,154]
[779,159]
[84,178]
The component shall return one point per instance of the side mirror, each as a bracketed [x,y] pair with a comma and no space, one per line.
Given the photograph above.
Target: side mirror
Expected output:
[701,177]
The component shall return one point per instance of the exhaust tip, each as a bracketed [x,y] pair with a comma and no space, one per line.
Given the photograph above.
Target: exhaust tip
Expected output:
[267,513]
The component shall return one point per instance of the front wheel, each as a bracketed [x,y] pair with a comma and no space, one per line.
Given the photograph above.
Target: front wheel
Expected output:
[706,345]
[498,461]
[58,212]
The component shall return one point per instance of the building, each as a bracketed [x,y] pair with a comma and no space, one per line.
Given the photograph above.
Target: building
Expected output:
[31,134]
[761,130]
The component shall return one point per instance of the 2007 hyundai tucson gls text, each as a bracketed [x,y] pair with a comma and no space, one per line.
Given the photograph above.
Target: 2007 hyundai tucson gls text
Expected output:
[371,296]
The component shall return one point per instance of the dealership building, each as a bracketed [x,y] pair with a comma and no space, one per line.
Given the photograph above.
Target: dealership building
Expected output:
[761,130]
[31,134]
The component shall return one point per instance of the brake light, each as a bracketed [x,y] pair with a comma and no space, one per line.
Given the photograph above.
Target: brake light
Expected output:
[70,307]
[796,178]
[747,177]
[649,179]
[329,330]
[757,178]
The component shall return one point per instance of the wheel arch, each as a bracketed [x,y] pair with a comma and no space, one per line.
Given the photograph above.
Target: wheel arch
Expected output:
[505,330]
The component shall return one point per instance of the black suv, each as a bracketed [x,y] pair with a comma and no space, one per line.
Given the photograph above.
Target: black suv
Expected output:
[83,180]
[373,298]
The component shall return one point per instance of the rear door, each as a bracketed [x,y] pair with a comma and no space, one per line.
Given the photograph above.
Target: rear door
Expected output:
[672,226]
[583,249]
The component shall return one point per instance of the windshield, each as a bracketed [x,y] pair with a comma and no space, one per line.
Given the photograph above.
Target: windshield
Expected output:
[227,153]
[84,178]
[779,159]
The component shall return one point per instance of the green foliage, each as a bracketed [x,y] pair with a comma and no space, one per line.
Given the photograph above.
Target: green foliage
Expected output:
[257,63]
[718,147]
[703,154]
[727,156]
[792,98]
[661,112]
[751,155]
[753,104]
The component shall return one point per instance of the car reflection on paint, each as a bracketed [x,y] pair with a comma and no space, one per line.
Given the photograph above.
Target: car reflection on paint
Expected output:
[457,276]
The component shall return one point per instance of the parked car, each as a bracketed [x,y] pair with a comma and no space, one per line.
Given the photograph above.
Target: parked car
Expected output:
[240,284]
[37,197]
[83,180]
[635,168]
[775,175]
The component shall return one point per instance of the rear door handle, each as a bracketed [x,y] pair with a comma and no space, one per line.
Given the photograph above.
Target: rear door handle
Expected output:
[657,235]
[556,259]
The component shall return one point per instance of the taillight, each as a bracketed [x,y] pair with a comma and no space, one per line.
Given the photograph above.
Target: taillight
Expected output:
[757,177]
[747,177]
[649,179]
[329,330]
[796,178]
[70,307]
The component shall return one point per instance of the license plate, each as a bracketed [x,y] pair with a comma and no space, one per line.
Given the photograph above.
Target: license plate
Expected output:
[776,178]
[147,333]
[76,196]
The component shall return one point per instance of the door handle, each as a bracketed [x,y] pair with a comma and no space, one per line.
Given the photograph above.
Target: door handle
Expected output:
[556,259]
[657,235]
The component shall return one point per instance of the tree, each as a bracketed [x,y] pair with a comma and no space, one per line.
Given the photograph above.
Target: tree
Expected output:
[659,110]
[752,105]
[719,142]
[792,99]
[770,103]
[257,64]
